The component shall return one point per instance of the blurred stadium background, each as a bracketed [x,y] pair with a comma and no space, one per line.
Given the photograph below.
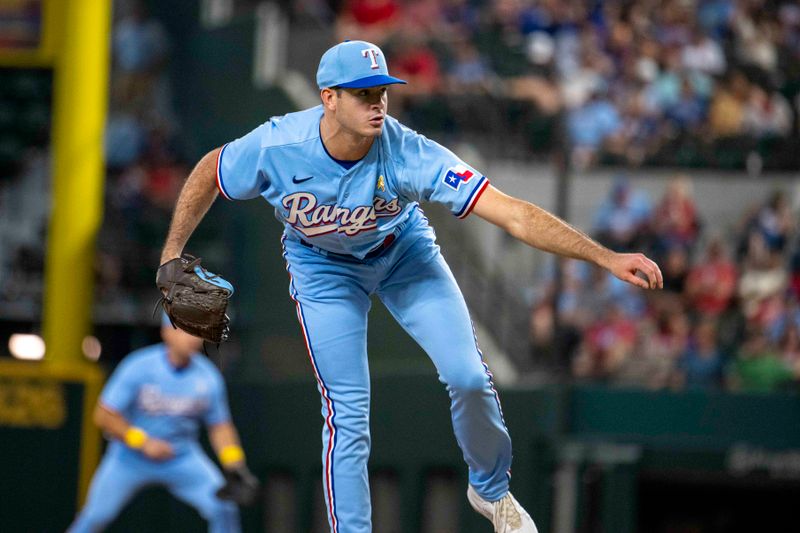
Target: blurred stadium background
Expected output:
[667,126]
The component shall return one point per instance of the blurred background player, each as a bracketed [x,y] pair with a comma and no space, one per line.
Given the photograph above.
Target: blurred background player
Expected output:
[150,409]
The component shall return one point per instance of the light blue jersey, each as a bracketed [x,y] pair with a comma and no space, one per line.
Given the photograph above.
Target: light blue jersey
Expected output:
[346,211]
[167,403]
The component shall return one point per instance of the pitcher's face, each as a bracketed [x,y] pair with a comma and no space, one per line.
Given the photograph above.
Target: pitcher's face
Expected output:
[361,111]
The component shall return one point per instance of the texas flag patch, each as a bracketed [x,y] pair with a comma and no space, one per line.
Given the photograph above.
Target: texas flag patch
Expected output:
[456,176]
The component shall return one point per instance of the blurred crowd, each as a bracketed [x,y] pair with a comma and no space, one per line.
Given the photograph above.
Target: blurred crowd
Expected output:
[623,79]
[728,315]
[145,167]
[144,174]
[700,82]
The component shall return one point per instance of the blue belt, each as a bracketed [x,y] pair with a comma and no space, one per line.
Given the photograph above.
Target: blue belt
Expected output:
[372,254]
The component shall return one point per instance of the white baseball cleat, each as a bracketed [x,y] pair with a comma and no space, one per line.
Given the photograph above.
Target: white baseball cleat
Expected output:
[506,514]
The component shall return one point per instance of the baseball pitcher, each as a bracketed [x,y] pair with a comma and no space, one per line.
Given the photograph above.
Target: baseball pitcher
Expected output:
[346,180]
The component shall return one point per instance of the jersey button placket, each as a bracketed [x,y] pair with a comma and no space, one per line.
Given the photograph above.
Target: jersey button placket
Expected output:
[346,181]
[344,195]
[341,201]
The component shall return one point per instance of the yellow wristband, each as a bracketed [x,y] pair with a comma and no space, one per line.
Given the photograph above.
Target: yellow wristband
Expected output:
[231,454]
[135,437]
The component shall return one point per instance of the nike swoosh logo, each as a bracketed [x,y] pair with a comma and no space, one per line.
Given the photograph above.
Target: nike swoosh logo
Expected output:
[301,180]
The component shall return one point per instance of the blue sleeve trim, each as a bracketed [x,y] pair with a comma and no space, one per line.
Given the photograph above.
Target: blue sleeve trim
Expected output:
[473,197]
[220,185]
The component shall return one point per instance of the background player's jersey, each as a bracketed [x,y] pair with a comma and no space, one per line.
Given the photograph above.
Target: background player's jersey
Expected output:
[342,210]
[166,402]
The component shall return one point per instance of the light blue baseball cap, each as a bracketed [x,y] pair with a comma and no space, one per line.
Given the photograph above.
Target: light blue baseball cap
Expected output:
[354,64]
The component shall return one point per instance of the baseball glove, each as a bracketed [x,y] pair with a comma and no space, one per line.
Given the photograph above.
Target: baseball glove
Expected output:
[194,299]
[241,486]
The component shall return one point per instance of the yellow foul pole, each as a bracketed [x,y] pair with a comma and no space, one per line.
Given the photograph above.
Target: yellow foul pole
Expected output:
[80,102]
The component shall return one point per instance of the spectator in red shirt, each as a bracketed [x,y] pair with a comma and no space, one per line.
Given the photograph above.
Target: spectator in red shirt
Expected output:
[607,346]
[375,21]
[415,60]
[419,65]
[711,284]
[660,342]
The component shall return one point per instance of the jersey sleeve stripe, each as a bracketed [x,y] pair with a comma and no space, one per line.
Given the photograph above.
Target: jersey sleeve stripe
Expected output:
[473,198]
[220,186]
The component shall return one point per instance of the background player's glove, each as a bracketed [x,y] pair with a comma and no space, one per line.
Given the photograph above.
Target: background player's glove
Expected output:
[194,299]
[241,486]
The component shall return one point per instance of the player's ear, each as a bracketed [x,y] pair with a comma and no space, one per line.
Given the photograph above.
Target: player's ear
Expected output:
[328,97]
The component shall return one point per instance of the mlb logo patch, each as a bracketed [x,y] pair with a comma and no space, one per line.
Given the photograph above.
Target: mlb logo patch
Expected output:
[456,176]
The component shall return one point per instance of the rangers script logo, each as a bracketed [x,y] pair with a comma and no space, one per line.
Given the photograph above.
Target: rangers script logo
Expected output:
[313,220]
[152,401]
